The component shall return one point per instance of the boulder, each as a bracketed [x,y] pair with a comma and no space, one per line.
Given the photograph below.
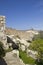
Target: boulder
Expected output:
[15,53]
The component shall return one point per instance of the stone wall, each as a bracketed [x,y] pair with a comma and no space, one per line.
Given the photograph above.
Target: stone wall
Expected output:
[3,37]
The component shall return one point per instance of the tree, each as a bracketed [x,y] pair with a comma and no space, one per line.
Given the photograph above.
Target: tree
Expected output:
[2,51]
[41,34]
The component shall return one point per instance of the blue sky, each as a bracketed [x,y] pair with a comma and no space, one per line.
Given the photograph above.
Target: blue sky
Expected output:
[22,14]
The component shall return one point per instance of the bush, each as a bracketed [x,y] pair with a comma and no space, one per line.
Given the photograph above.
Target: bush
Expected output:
[25,58]
[2,51]
[37,45]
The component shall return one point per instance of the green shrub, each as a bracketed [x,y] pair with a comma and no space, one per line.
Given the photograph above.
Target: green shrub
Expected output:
[37,45]
[2,51]
[25,58]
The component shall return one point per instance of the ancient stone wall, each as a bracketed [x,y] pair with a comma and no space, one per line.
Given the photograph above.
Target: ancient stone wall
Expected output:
[3,37]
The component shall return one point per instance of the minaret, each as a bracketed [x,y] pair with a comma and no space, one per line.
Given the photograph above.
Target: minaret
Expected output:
[3,37]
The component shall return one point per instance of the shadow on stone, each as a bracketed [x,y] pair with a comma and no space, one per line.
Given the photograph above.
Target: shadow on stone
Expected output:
[14,45]
[2,61]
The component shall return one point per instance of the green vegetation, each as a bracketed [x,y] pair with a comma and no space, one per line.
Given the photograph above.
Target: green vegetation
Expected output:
[37,45]
[41,34]
[25,58]
[2,51]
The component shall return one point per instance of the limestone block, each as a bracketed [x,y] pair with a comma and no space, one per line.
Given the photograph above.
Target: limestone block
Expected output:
[15,53]
[23,47]
[32,53]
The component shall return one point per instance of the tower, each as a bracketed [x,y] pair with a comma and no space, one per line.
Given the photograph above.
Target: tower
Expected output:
[3,37]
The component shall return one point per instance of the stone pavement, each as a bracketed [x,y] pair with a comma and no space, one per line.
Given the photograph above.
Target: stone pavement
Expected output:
[12,60]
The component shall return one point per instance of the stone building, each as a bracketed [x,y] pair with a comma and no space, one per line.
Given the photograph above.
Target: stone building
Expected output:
[3,37]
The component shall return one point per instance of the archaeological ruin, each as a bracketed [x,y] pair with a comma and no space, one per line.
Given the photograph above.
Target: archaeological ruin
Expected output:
[3,37]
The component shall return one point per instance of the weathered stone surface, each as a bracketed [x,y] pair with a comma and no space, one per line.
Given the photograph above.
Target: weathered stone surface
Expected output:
[31,53]
[23,47]
[3,37]
[12,60]
[15,53]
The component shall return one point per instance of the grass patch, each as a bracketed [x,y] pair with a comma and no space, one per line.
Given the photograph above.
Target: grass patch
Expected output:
[25,58]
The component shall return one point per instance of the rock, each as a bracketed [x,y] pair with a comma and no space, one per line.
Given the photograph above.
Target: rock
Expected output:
[23,47]
[32,53]
[12,60]
[15,53]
